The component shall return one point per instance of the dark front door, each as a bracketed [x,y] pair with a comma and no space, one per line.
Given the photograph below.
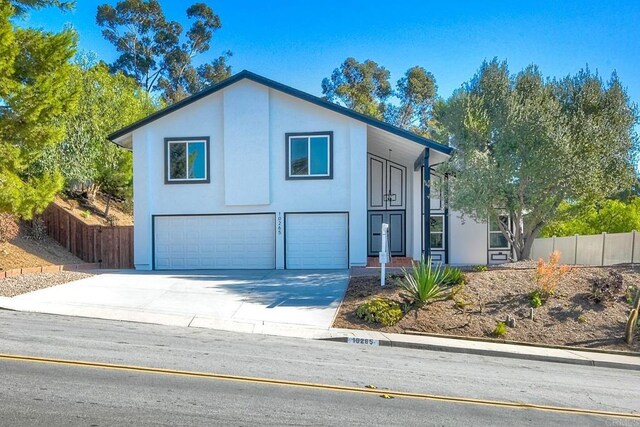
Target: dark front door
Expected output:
[395,219]
[387,188]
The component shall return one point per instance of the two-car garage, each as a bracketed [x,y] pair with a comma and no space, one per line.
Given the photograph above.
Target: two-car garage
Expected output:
[248,241]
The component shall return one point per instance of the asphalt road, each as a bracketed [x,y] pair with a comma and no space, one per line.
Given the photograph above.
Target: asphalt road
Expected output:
[51,393]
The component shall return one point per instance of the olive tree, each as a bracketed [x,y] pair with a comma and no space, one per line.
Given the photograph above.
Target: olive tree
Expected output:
[524,144]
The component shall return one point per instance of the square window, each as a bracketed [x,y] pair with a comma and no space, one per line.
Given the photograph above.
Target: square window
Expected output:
[186,160]
[309,155]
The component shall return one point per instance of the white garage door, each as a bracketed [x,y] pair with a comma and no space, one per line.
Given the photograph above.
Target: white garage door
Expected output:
[215,242]
[317,240]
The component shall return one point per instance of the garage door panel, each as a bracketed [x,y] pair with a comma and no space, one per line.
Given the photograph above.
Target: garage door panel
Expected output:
[317,240]
[215,242]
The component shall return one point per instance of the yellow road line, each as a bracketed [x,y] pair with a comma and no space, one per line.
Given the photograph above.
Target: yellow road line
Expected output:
[330,387]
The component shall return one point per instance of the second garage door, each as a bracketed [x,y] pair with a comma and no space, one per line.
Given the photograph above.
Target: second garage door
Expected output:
[214,242]
[317,240]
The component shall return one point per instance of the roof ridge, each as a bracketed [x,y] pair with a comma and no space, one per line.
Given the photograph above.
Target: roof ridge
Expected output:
[246,74]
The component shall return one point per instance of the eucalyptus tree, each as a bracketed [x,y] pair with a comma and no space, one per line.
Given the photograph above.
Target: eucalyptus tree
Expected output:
[154,50]
[361,86]
[365,87]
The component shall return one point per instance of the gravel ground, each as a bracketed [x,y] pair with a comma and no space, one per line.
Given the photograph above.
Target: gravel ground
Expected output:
[13,286]
[568,318]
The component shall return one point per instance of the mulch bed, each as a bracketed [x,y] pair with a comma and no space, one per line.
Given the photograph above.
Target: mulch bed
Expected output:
[569,318]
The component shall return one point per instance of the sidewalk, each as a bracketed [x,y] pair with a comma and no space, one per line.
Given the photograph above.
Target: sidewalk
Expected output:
[370,338]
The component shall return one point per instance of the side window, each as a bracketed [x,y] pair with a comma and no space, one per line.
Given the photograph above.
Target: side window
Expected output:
[309,156]
[436,231]
[186,160]
[497,240]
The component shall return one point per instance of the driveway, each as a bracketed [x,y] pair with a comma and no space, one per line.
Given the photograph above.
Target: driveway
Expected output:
[280,302]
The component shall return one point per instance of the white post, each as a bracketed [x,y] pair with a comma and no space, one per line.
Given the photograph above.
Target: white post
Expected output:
[383,256]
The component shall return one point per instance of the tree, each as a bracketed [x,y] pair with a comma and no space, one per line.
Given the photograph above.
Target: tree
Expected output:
[416,92]
[34,74]
[153,50]
[115,174]
[88,161]
[363,87]
[523,145]
[610,216]
[21,7]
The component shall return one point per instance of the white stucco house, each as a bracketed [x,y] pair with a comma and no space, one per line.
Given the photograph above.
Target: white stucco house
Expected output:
[253,174]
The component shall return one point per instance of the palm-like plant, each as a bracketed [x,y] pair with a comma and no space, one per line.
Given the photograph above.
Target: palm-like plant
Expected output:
[425,282]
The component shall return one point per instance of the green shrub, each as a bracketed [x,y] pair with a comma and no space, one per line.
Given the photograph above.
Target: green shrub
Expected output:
[535,299]
[425,282]
[500,330]
[453,276]
[630,294]
[85,214]
[461,303]
[480,268]
[379,310]
[456,290]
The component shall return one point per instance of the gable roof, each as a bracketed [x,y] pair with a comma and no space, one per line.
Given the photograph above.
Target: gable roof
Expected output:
[244,74]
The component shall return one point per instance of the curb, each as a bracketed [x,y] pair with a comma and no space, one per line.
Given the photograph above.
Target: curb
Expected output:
[571,356]
[525,344]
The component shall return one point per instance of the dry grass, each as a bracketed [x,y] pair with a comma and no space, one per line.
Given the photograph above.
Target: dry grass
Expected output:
[95,210]
[567,318]
[24,252]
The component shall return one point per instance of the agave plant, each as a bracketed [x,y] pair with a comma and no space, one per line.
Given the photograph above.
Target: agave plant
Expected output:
[426,282]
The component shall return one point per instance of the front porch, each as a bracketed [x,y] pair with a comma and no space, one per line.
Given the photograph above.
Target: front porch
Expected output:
[400,194]
[396,262]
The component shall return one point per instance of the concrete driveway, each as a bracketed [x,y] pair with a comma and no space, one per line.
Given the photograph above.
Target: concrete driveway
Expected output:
[279,302]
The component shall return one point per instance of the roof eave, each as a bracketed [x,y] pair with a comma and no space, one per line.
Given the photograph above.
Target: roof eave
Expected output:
[244,74]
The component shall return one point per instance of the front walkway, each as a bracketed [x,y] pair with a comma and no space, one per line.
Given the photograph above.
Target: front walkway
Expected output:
[259,301]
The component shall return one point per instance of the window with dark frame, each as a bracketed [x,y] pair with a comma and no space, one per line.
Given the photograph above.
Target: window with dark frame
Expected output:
[497,240]
[309,156]
[436,231]
[186,160]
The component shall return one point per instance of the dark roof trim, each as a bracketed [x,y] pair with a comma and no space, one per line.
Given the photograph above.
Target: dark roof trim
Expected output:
[289,91]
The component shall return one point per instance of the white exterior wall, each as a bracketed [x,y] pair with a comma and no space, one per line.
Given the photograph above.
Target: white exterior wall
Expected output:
[468,240]
[258,184]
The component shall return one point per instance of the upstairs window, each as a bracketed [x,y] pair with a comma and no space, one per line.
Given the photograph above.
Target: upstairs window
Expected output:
[497,240]
[309,155]
[186,160]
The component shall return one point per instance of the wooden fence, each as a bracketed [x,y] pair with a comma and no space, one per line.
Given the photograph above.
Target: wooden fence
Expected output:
[112,247]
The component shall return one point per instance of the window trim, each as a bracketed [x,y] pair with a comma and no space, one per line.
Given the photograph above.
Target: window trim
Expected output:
[490,232]
[187,140]
[287,142]
[443,232]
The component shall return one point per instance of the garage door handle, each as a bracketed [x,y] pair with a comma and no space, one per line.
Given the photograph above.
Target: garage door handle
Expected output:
[376,234]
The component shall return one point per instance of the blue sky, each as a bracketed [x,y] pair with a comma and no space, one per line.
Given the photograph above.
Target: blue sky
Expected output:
[300,42]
